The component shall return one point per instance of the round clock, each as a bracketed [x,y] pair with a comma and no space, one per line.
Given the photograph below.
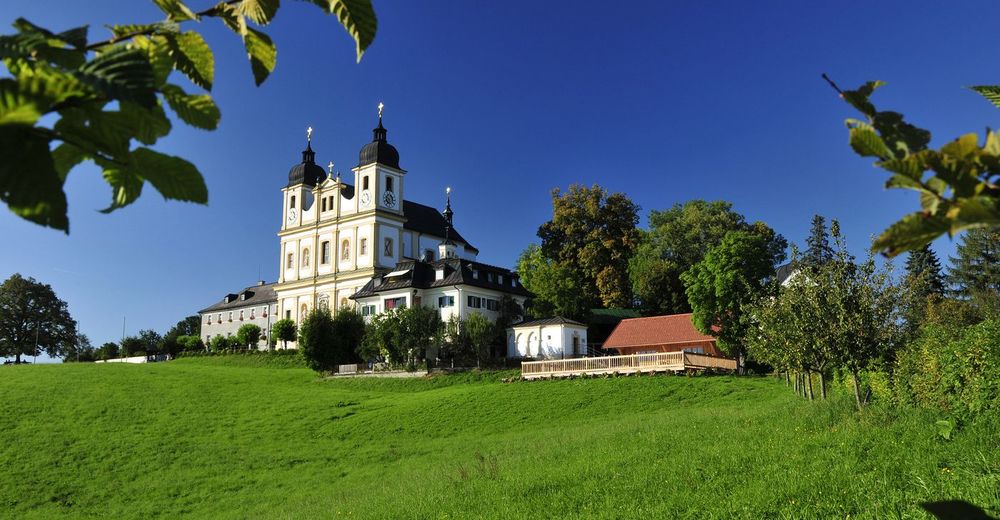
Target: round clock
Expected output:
[291,215]
[366,198]
[389,199]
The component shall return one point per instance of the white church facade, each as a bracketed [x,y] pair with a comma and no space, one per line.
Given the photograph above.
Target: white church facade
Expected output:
[364,246]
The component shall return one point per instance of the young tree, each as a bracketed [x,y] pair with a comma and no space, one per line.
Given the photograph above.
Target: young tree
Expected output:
[190,343]
[33,320]
[132,346]
[677,239]
[732,276]
[327,341]
[593,235]
[81,351]
[220,343]
[248,335]
[108,350]
[283,330]
[68,99]
[481,334]
[151,342]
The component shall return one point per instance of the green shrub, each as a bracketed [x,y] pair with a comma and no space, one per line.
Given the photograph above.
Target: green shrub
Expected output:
[953,369]
[327,341]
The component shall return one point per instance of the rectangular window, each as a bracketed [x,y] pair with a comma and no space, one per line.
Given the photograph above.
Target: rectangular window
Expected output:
[388,184]
[367,310]
[446,301]
[500,279]
[393,303]
[364,182]
[388,247]
[475,302]
[288,314]
[324,204]
[475,274]
[325,252]
[230,315]
[492,305]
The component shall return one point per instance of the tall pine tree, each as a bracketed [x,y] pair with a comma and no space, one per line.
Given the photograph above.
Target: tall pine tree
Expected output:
[923,270]
[975,273]
[818,249]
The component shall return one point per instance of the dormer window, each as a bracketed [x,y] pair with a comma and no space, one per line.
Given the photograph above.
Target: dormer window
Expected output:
[475,274]
[500,279]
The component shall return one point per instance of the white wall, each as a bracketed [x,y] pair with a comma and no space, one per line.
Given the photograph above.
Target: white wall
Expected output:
[547,341]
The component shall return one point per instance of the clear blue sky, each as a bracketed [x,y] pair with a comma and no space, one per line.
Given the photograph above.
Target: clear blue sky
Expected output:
[665,101]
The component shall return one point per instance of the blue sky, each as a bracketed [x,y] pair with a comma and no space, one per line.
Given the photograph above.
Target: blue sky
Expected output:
[664,101]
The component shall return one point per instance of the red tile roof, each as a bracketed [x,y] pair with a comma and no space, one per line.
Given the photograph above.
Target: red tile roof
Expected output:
[655,330]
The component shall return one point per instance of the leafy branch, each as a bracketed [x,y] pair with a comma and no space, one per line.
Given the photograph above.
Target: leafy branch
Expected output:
[106,98]
[957,183]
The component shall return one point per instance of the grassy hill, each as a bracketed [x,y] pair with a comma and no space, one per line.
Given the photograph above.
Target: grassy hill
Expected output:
[217,438]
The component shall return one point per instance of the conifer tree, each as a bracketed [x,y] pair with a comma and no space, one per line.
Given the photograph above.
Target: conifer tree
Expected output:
[818,249]
[976,270]
[924,270]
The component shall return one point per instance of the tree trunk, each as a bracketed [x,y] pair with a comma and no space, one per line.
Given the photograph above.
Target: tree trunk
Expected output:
[810,386]
[822,385]
[857,388]
[786,378]
[795,384]
[17,359]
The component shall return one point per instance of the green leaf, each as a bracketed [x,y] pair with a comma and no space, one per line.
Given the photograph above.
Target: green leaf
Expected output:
[21,45]
[126,184]
[910,166]
[260,12]
[172,176]
[867,143]
[17,106]
[912,232]
[144,124]
[158,50]
[193,57]
[65,157]
[990,92]
[903,181]
[981,210]
[29,183]
[231,17]
[859,98]
[357,17]
[77,37]
[962,147]
[262,53]
[175,10]
[121,73]
[196,110]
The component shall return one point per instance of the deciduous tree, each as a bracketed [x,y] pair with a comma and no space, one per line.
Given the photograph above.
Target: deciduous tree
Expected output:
[327,341]
[592,236]
[33,320]
[67,99]
[248,335]
[283,330]
[556,290]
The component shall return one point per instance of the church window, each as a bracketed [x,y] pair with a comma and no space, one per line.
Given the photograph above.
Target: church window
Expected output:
[305,257]
[325,252]
[363,247]
[291,261]
[345,250]
[324,204]
[364,182]
[446,301]
[388,184]
[291,204]
[388,247]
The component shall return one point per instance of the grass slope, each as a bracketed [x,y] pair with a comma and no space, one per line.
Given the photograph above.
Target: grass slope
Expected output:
[206,438]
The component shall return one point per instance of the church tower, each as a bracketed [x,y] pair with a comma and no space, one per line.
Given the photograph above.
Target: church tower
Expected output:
[379,183]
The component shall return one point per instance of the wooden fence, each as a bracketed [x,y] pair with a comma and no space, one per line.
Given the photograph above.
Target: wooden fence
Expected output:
[654,362]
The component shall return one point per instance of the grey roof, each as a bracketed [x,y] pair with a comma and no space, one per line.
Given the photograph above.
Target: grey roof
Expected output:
[555,320]
[421,275]
[248,297]
[430,221]
[784,272]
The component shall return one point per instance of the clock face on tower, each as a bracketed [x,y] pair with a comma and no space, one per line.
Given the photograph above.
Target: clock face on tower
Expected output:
[389,199]
[291,215]
[366,198]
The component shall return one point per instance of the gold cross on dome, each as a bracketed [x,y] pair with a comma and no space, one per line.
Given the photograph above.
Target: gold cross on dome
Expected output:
[309,134]
[380,107]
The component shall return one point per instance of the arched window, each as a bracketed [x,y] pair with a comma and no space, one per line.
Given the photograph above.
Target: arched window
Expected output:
[345,250]
[241,315]
[291,203]
[305,257]
[363,249]
[291,261]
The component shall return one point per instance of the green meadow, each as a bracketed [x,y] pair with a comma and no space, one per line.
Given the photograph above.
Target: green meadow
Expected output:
[237,438]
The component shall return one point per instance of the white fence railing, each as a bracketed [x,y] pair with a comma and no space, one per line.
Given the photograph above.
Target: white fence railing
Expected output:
[653,362]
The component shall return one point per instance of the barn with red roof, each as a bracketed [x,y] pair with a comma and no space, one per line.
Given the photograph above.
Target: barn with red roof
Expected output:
[673,333]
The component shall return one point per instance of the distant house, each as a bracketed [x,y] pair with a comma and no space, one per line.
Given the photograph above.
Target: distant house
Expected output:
[549,338]
[673,333]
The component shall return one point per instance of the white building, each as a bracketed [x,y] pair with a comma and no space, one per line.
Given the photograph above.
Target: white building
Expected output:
[256,304]
[549,338]
[365,245]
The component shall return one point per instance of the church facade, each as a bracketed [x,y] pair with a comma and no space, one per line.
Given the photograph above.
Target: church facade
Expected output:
[363,245]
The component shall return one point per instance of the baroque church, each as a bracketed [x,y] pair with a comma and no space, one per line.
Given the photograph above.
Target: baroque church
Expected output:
[364,246]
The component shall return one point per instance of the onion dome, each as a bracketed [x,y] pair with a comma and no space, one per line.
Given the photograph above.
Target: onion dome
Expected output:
[307,172]
[379,150]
